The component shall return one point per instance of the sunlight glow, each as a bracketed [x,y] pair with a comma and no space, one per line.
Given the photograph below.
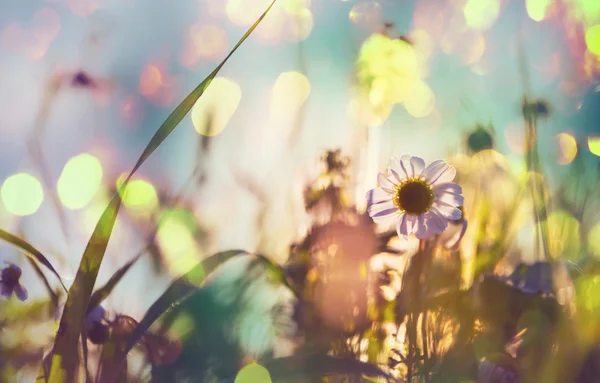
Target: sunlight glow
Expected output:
[79,181]
[214,109]
[252,373]
[567,148]
[22,194]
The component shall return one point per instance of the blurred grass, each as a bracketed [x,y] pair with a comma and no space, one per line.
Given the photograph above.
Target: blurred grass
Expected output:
[64,360]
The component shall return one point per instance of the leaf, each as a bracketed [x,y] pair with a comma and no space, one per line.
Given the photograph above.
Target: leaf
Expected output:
[99,295]
[64,358]
[179,290]
[317,366]
[277,272]
[30,252]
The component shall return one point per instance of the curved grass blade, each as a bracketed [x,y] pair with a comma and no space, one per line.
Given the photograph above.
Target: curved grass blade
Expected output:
[99,295]
[51,292]
[178,291]
[64,358]
[30,252]
[310,367]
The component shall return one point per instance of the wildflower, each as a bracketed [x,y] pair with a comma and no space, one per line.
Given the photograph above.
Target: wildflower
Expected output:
[419,199]
[95,325]
[9,282]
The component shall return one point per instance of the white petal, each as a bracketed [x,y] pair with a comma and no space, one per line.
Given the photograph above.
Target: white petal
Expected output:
[396,169]
[405,165]
[378,195]
[411,223]
[417,164]
[381,209]
[21,292]
[436,223]
[447,211]
[385,183]
[447,176]
[434,170]
[451,199]
[401,226]
[453,240]
[421,229]
[386,220]
[447,187]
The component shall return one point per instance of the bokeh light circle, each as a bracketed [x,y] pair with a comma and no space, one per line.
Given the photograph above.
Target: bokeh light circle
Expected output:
[22,194]
[79,181]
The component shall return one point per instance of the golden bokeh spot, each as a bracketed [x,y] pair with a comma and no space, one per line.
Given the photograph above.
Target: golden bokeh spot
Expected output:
[22,194]
[175,238]
[301,24]
[593,240]
[563,235]
[592,39]
[567,148]
[253,373]
[214,109]
[79,181]
[140,196]
[481,14]
[537,9]
[290,92]
[421,100]
[594,145]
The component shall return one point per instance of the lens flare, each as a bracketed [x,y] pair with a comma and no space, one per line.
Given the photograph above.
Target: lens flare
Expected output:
[22,194]
[79,181]
[214,109]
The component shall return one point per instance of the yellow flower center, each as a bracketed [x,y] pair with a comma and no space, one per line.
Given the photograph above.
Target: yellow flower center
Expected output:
[413,196]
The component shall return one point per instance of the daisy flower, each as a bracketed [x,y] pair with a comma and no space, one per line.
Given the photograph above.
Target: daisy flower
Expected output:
[420,200]
[9,282]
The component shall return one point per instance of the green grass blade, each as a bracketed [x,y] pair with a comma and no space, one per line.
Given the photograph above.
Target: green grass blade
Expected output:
[51,292]
[99,295]
[31,252]
[64,353]
[179,290]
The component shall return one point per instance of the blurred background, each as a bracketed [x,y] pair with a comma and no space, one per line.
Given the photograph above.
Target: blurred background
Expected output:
[84,84]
